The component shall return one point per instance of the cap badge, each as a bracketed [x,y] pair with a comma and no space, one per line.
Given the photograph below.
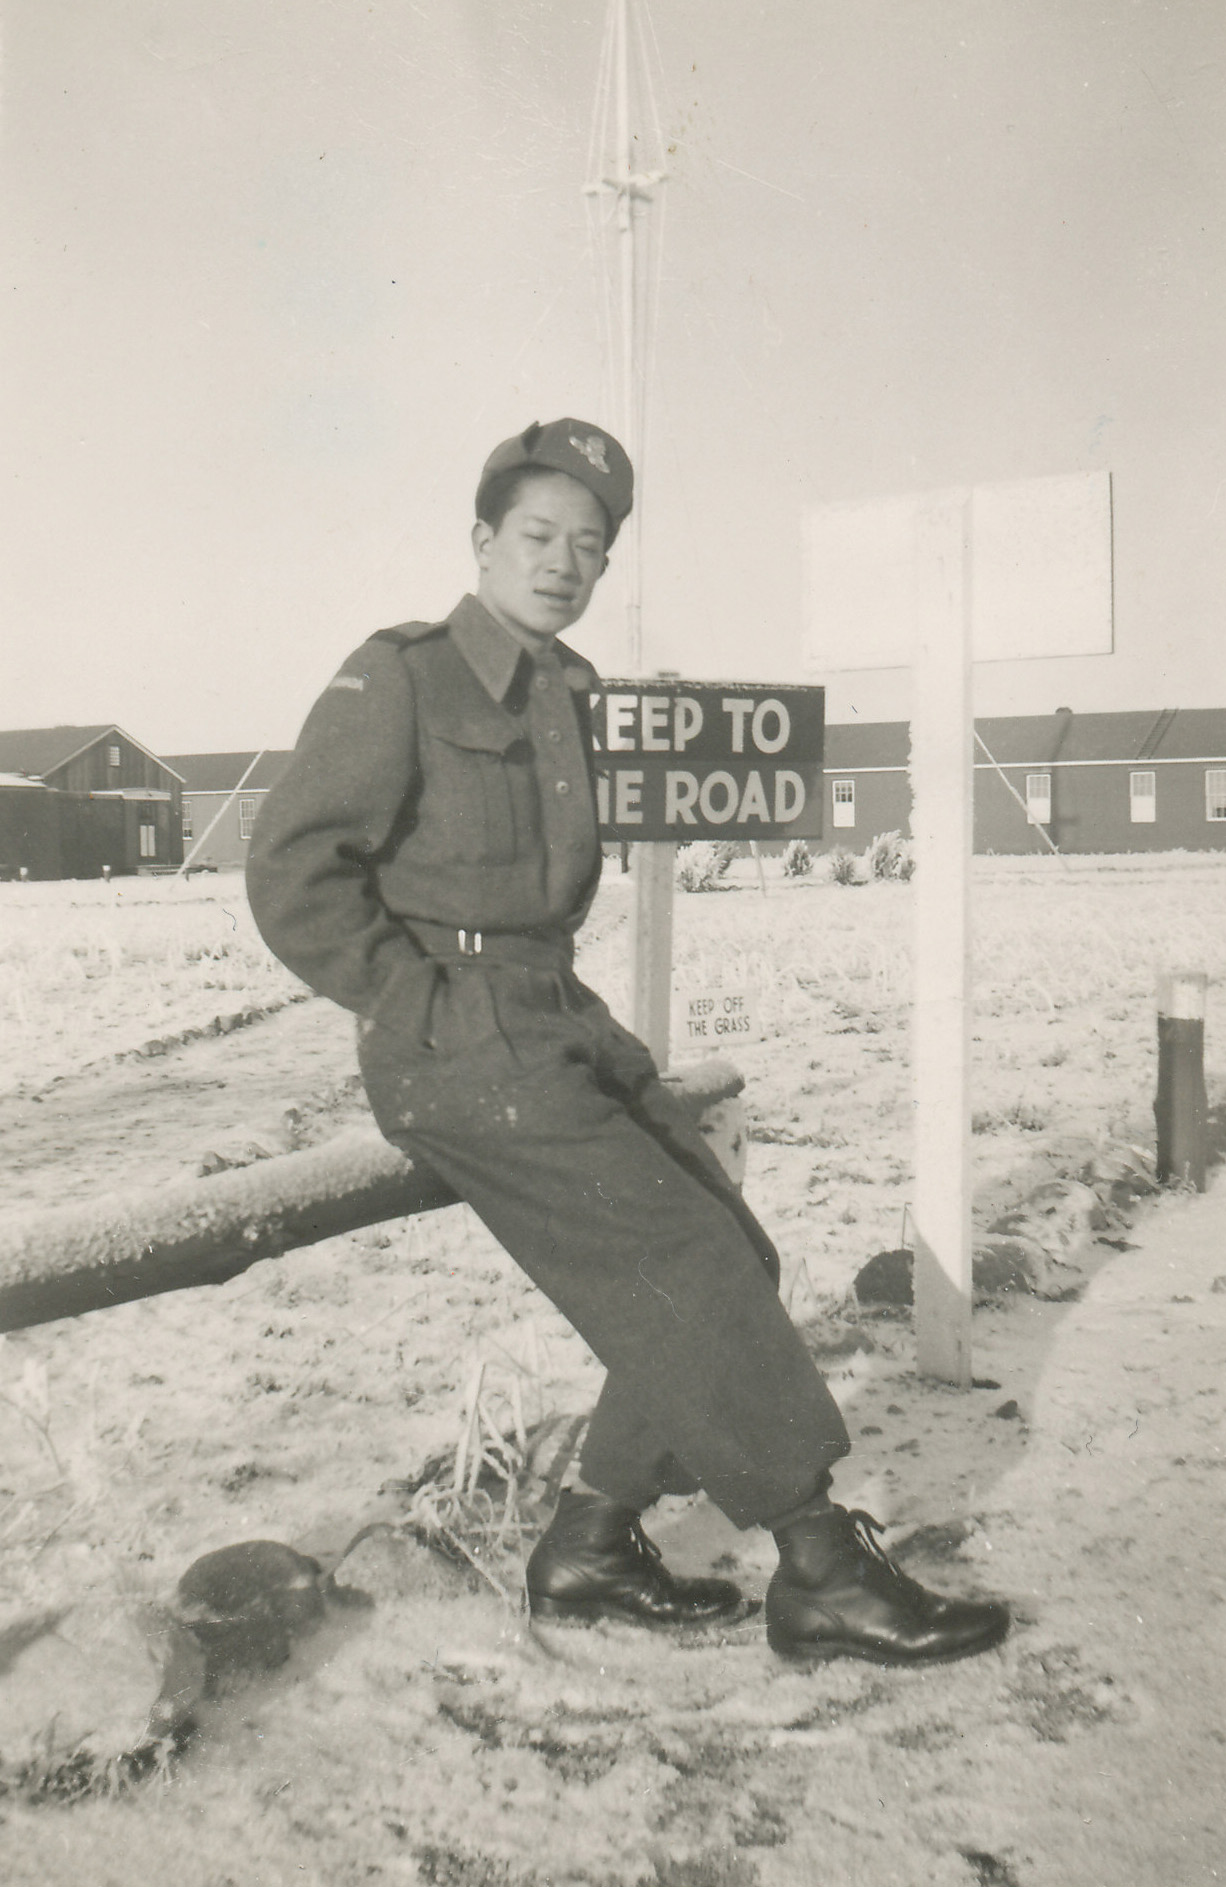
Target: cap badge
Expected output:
[593,449]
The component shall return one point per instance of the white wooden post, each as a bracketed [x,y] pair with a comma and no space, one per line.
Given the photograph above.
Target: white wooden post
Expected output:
[651,947]
[942,778]
[1039,585]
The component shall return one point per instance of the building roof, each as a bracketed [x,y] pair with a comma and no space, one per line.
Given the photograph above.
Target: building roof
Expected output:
[1193,734]
[1020,739]
[38,751]
[867,744]
[145,794]
[221,772]
[35,751]
[1047,739]
[1136,736]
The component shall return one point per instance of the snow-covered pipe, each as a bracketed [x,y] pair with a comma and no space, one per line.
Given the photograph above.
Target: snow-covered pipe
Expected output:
[120,1246]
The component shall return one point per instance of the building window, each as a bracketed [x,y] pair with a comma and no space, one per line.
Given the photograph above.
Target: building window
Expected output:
[1143,798]
[246,818]
[188,830]
[843,802]
[148,841]
[1215,792]
[1038,798]
[113,756]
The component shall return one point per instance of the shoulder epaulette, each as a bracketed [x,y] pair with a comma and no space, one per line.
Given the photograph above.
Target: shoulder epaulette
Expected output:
[567,654]
[407,632]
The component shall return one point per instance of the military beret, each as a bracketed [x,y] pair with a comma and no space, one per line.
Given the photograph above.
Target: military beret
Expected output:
[573,446]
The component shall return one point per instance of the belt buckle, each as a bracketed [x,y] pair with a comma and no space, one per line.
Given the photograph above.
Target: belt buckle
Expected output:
[469,942]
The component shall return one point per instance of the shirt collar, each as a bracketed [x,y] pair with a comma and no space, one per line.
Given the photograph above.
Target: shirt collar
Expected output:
[495,656]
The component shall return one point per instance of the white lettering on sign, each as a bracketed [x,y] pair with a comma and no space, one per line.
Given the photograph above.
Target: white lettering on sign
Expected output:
[720,809]
[717,797]
[628,797]
[721,801]
[680,792]
[716,1015]
[788,808]
[687,721]
[770,724]
[783,726]
[655,724]
[753,801]
[740,709]
[640,723]
[621,711]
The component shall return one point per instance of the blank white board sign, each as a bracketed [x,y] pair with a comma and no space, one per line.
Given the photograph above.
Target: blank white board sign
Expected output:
[1041,561]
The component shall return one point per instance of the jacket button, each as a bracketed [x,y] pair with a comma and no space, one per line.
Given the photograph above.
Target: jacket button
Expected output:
[563,787]
[542,682]
[554,734]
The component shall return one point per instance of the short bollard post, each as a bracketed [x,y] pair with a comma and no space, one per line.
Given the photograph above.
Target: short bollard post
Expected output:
[1181,1106]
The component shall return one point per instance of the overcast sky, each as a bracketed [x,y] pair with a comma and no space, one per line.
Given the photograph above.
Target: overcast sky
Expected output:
[279,275]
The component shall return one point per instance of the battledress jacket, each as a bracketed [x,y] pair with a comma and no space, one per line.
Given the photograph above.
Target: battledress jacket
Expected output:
[444,776]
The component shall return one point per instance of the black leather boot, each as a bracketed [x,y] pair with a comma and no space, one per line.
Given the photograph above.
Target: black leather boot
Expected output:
[594,1561]
[836,1594]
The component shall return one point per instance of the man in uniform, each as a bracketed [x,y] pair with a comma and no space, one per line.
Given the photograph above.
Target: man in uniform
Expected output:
[425,861]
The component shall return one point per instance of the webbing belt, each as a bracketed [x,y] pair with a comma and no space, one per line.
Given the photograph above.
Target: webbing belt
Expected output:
[537,949]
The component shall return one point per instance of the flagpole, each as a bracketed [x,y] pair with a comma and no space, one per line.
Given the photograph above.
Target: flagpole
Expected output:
[632,189]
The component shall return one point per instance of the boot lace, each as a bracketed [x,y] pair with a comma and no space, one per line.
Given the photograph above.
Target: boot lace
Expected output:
[640,1544]
[866,1527]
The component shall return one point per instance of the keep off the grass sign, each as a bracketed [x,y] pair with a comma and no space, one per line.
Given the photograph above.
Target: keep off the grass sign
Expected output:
[687,760]
[716,1016]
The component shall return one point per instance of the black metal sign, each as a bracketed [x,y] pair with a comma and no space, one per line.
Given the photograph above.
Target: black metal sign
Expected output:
[688,760]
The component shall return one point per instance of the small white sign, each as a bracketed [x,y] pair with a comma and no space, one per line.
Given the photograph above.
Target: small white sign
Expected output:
[1042,585]
[714,1017]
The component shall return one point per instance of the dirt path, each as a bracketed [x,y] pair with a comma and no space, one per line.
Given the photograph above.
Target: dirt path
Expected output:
[140,1120]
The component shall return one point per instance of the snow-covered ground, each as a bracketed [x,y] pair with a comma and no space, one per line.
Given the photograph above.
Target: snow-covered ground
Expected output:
[435,1738]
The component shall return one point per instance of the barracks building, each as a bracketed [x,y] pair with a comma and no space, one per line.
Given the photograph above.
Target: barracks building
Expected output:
[77,800]
[1121,782]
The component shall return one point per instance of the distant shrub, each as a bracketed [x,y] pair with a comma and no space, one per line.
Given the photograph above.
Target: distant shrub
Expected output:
[797,859]
[890,856]
[1021,1114]
[701,866]
[844,868]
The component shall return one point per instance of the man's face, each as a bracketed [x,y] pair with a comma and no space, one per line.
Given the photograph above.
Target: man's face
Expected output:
[537,571]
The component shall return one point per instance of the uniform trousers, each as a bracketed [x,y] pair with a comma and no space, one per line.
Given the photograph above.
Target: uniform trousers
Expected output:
[517,1086]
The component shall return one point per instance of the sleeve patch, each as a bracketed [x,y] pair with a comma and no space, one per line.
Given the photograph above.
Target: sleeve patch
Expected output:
[348,681]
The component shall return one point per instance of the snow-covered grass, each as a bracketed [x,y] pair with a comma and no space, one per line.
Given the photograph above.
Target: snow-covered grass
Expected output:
[1066,957]
[1049,934]
[89,970]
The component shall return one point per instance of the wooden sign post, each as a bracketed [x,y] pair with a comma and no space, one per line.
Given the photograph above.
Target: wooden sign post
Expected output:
[651,949]
[935,582]
[941,781]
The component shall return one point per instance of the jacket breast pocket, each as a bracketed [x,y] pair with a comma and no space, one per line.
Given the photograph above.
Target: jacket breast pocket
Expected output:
[479,805]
